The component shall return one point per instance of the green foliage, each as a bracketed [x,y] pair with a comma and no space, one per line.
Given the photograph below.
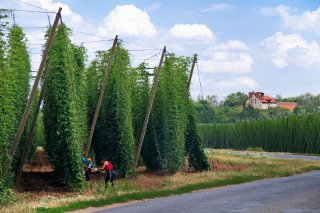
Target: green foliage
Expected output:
[38,136]
[299,134]
[7,113]
[140,92]
[114,138]
[150,151]
[79,91]
[172,131]
[14,89]
[94,77]
[194,146]
[235,99]
[62,110]
[233,110]
[170,113]
[255,149]
[19,66]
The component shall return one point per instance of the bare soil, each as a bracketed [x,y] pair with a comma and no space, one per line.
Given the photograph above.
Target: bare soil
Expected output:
[39,179]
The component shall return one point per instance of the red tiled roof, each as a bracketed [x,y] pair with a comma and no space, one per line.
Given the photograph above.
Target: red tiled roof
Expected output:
[287,105]
[268,99]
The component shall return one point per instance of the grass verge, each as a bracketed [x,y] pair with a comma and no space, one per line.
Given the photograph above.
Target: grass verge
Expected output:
[150,194]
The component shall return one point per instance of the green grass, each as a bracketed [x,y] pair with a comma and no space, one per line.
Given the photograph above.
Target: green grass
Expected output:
[150,194]
[255,149]
[311,168]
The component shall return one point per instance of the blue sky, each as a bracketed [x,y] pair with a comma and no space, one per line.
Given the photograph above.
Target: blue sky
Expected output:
[269,46]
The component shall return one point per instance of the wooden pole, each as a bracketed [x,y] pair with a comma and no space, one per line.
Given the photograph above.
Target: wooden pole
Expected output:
[102,91]
[192,68]
[149,108]
[35,85]
[27,145]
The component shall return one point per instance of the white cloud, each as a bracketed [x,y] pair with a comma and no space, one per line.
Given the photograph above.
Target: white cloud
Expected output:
[217,7]
[192,31]
[68,15]
[154,6]
[307,20]
[229,57]
[128,20]
[231,45]
[242,82]
[268,11]
[292,49]
[279,63]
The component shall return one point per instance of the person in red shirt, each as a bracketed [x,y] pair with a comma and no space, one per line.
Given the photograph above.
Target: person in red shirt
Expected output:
[110,172]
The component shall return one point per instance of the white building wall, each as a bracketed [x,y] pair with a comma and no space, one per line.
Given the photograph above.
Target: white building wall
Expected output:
[256,103]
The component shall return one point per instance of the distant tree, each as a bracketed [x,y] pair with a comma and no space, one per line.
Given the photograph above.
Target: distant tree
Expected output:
[279,98]
[212,100]
[300,111]
[204,111]
[311,103]
[275,112]
[236,99]
[291,99]
[249,113]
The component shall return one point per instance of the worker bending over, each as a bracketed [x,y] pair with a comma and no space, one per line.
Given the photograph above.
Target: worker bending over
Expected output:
[110,172]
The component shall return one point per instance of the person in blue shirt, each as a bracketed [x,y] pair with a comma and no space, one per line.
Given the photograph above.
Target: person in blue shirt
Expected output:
[87,166]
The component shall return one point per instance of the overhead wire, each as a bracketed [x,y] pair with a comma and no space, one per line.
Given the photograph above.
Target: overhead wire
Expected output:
[75,31]
[36,42]
[147,47]
[137,44]
[34,27]
[96,41]
[27,11]
[199,80]
[138,50]
[32,5]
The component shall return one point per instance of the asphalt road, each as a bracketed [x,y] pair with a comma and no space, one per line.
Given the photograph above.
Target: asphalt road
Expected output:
[295,194]
[292,156]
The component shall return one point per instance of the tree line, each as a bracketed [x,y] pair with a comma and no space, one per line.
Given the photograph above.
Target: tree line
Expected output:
[232,108]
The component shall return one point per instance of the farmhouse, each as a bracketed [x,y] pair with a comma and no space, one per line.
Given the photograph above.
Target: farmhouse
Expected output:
[260,101]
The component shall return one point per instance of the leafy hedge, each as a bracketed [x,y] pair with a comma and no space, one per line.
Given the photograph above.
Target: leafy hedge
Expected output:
[172,132]
[62,110]
[300,134]
[140,93]
[7,114]
[19,64]
[113,139]
[194,145]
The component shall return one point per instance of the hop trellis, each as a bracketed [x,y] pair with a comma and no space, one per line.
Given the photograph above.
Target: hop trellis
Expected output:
[70,97]
[298,134]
